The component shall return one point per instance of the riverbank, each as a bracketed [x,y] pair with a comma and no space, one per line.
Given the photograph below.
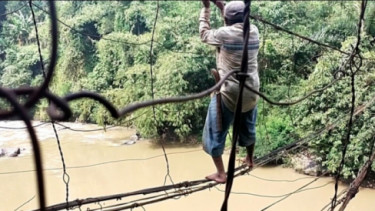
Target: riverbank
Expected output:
[305,163]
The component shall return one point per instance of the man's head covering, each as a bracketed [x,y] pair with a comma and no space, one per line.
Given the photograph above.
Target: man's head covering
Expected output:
[233,11]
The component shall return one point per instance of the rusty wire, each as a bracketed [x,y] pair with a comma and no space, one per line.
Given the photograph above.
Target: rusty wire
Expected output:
[83,130]
[100,164]
[152,60]
[296,191]
[180,189]
[279,28]
[279,180]
[65,176]
[277,196]
[156,122]
[353,70]
[80,202]
[14,11]
[136,203]
[338,201]
[237,193]
[64,127]
[294,67]
[262,72]
[37,40]
[23,204]
[22,128]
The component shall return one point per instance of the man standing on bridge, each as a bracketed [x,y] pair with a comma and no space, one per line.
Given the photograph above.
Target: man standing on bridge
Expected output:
[229,42]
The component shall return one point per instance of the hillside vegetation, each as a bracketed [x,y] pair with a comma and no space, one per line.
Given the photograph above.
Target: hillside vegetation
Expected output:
[104,46]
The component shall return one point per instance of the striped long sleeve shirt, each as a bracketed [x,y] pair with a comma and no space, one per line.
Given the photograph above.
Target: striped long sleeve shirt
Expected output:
[229,40]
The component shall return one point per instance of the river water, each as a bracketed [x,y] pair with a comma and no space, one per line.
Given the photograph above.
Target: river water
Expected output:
[100,164]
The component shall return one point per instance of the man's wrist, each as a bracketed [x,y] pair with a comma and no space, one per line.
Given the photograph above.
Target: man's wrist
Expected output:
[205,14]
[206,3]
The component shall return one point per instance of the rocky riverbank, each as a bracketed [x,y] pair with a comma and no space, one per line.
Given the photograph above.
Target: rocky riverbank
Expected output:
[11,152]
[306,163]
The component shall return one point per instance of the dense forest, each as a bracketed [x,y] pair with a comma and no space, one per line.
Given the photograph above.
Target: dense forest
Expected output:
[105,46]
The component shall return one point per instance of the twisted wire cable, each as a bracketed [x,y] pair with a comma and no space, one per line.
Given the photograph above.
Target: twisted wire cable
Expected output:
[66,177]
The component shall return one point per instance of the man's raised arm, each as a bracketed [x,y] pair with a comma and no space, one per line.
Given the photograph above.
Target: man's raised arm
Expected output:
[207,35]
[220,4]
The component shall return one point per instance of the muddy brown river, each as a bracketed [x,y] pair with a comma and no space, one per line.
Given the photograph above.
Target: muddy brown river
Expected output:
[100,164]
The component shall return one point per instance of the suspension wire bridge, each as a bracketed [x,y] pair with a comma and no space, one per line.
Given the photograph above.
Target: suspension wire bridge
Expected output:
[189,187]
[270,156]
[36,93]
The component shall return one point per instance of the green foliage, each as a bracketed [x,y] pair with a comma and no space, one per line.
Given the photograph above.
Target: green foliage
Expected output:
[20,66]
[370,17]
[19,27]
[333,106]
[97,53]
[274,130]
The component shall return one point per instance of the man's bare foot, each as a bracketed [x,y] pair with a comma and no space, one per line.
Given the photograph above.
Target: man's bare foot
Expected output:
[249,162]
[219,178]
